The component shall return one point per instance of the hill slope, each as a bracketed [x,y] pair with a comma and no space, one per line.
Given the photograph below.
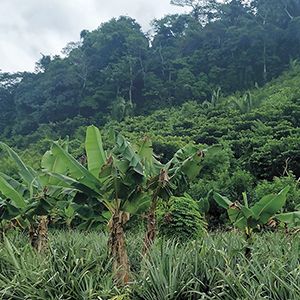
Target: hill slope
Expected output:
[260,127]
[258,131]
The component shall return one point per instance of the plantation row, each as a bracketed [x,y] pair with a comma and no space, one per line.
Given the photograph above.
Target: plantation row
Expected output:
[77,266]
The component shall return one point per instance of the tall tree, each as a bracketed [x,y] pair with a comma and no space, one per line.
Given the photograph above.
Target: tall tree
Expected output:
[202,10]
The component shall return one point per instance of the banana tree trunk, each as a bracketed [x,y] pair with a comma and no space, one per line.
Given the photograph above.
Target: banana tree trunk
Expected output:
[117,247]
[39,235]
[151,227]
[2,231]
[249,242]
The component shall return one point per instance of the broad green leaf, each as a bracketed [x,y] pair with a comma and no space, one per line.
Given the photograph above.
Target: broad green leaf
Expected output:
[222,201]
[67,181]
[237,213]
[204,205]
[18,186]
[8,191]
[69,211]
[191,166]
[237,217]
[137,205]
[124,149]
[247,212]
[245,198]
[39,207]
[107,169]
[94,149]
[292,218]
[151,164]
[54,164]
[187,161]
[60,191]
[85,212]
[75,169]
[62,204]
[182,154]
[121,165]
[264,209]
[9,211]
[27,173]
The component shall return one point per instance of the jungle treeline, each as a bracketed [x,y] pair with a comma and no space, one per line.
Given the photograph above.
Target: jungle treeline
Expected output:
[118,70]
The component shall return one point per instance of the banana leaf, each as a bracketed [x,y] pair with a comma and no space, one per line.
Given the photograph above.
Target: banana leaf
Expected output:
[269,205]
[27,173]
[9,192]
[223,201]
[291,218]
[75,169]
[94,149]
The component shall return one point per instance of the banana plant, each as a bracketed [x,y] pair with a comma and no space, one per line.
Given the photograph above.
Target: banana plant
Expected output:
[125,180]
[29,202]
[113,179]
[248,218]
[291,219]
[165,180]
[17,204]
[9,214]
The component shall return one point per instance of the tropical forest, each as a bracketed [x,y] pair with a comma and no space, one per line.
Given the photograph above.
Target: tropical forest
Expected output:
[157,165]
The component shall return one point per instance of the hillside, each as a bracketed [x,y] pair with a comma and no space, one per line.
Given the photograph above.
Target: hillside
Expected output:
[257,132]
[257,122]
[261,126]
[117,70]
[204,77]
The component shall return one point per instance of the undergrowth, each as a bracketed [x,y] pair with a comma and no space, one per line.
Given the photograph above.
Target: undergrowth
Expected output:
[77,266]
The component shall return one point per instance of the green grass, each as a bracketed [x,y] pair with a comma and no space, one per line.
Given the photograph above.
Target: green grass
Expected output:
[77,267]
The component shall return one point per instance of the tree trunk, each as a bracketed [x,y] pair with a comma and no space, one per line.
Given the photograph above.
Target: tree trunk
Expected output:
[288,13]
[142,67]
[248,248]
[151,226]
[39,235]
[117,247]
[131,82]
[265,76]
[286,228]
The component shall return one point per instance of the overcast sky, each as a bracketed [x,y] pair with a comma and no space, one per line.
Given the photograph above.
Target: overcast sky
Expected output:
[31,27]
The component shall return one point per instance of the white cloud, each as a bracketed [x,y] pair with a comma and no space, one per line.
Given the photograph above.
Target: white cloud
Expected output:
[31,27]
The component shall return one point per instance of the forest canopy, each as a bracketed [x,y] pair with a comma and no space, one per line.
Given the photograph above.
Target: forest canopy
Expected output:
[118,70]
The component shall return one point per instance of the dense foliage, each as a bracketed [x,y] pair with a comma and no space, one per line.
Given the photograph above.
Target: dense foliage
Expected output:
[257,133]
[181,219]
[77,267]
[117,69]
